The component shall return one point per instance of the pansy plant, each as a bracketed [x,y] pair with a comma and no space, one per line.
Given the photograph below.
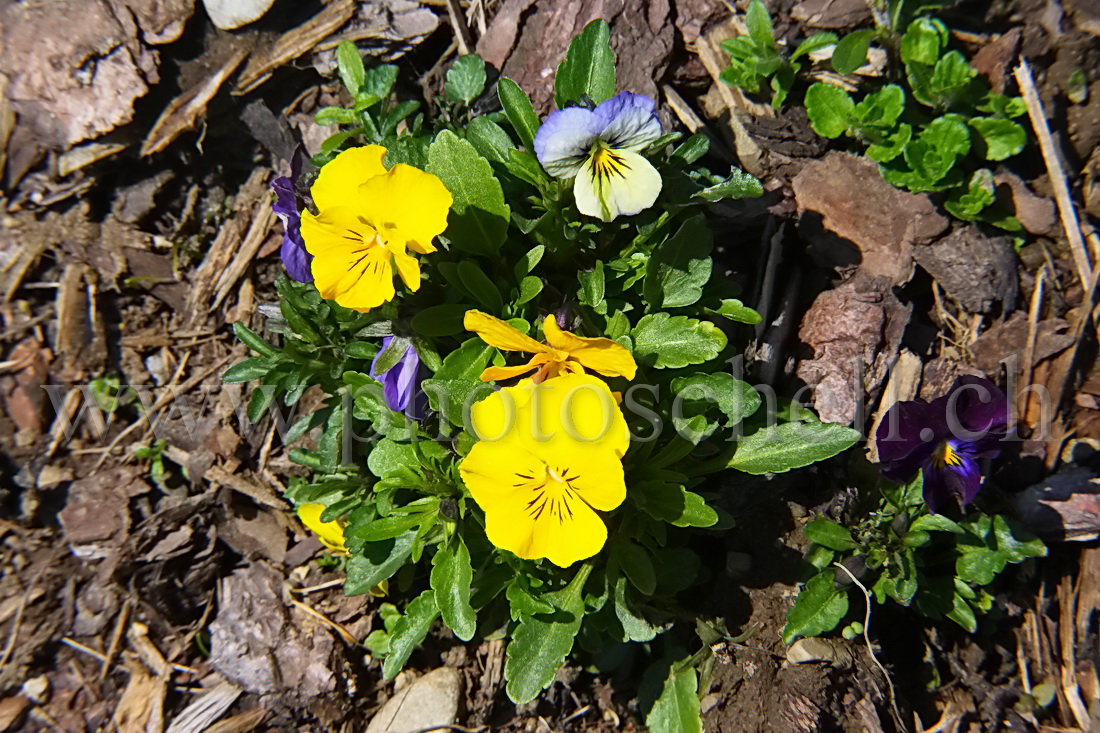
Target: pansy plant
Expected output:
[523,362]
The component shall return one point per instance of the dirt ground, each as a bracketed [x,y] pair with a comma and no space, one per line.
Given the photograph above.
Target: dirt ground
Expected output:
[152,576]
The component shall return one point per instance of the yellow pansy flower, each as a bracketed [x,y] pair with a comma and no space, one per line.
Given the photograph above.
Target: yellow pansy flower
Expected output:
[331,533]
[563,352]
[548,457]
[368,218]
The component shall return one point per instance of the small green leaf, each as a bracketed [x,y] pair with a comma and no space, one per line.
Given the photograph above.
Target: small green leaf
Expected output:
[335,116]
[479,284]
[588,68]
[529,288]
[735,398]
[935,523]
[816,42]
[478,222]
[638,567]
[923,42]
[593,286]
[450,579]
[739,185]
[680,266]
[670,342]
[440,320]
[676,710]
[392,354]
[734,310]
[779,448]
[376,562]
[350,66]
[760,25]
[409,632]
[829,534]
[1001,138]
[692,149]
[465,79]
[529,261]
[378,82]
[541,642]
[490,140]
[245,371]
[820,606]
[829,109]
[851,51]
[253,341]
[519,110]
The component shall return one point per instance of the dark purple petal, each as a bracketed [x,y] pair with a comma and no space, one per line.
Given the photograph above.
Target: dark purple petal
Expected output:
[399,381]
[296,259]
[962,481]
[978,405]
[907,437]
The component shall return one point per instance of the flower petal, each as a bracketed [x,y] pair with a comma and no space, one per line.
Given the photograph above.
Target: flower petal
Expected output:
[962,481]
[563,419]
[331,534]
[296,259]
[497,374]
[597,476]
[354,274]
[408,267]
[496,332]
[906,438]
[628,121]
[599,354]
[565,139]
[563,537]
[616,182]
[407,199]
[338,182]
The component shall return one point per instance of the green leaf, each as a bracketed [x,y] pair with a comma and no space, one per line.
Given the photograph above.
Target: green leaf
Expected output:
[465,79]
[935,523]
[479,284]
[739,185]
[670,342]
[593,286]
[815,42]
[522,603]
[680,266]
[735,398]
[892,145]
[253,341]
[818,608]
[635,626]
[676,710]
[851,51]
[980,567]
[409,632]
[528,262]
[760,25]
[467,361]
[490,139]
[1015,543]
[378,82]
[880,109]
[245,371]
[529,288]
[335,116]
[519,110]
[968,203]
[692,149]
[541,642]
[450,579]
[923,42]
[1002,138]
[377,562]
[734,310]
[962,614]
[674,504]
[638,567]
[440,320]
[588,68]
[829,534]
[478,222]
[350,66]
[392,354]
[829,108]
[779,448]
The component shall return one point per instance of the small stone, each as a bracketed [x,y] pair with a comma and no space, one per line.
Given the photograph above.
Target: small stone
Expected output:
[429,702]
[37,690]
[816,649]
[230,14]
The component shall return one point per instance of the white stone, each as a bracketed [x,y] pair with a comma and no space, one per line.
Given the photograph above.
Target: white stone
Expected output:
[230,14]
[429,702]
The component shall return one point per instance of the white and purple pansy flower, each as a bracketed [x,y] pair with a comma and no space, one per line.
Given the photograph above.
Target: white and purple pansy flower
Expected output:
[599,147]
[945,438]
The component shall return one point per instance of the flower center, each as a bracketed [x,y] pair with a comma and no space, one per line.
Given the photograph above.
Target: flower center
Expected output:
[607,163]
[551,493]
[946,456]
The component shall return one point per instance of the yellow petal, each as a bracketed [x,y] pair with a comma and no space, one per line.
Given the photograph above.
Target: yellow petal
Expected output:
[498,374]
[568,416]
[596,475]
[331,534]
[599,354]
[563,536]
[616,182]
[496,332]
[338,182]
[408,268]
[356,278]
[409,200]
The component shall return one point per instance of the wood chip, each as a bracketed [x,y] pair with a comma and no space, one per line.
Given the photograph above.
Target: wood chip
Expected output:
[141,708]
[205,709]
[185,111]
[296,43]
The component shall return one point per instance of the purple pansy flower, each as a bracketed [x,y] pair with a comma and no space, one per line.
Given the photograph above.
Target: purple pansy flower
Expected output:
[399,384]
[945,438]
[293,251]
[600,148]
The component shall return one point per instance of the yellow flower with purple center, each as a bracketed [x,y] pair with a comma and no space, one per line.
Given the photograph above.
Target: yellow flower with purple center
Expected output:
[369,220]
[599,147]
[548,458]
[563,352]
